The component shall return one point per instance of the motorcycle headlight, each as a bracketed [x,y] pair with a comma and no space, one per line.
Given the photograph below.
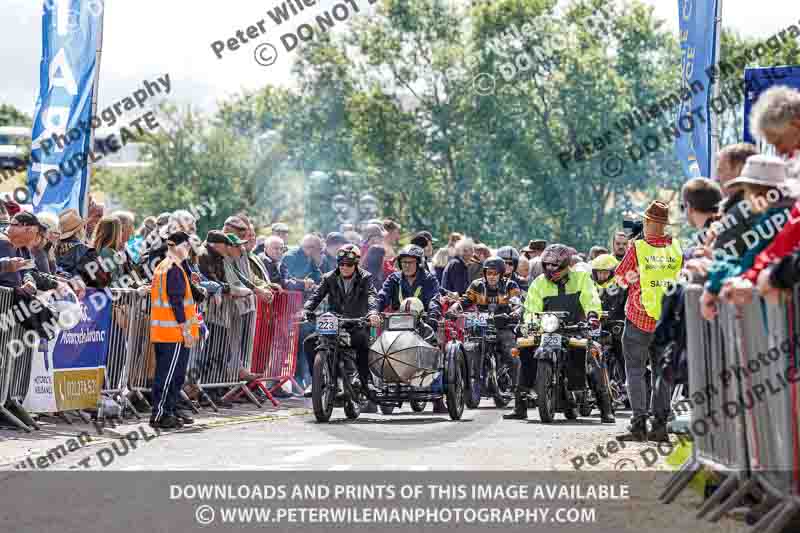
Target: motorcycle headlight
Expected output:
[550,323]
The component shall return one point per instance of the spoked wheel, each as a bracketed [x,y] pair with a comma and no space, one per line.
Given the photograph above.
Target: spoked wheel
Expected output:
[323,388]
[387,409]
[418,405]
[352,409]
[473,392]
[545,391]
[504,386]
[456,385]
[571,413]
[585,409]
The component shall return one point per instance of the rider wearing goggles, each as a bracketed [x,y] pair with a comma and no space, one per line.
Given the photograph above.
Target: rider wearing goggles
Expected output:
[350,294]
[563,289]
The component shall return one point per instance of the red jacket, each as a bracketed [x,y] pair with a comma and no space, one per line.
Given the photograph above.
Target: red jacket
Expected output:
[785,242]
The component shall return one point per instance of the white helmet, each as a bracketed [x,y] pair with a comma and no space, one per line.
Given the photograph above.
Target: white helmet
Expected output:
[412,305]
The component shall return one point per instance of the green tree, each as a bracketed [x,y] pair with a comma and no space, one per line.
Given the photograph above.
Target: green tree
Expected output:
[11,116]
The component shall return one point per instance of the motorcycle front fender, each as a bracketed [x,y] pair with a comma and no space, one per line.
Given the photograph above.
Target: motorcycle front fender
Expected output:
[548,354]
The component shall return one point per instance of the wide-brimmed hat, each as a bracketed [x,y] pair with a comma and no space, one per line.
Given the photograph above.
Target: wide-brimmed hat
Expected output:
[658,212]
[766,170]
[70,222]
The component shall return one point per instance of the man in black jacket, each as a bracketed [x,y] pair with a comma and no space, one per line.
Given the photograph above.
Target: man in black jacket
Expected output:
[351,295]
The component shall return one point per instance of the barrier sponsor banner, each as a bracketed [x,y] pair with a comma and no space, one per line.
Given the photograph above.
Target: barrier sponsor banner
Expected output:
[698,37]
[67,372]
[70,33]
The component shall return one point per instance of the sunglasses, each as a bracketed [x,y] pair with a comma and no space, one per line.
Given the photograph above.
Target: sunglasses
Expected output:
[347,264]
[509,263]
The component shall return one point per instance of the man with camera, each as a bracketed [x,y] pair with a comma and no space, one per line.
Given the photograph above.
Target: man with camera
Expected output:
[650,265]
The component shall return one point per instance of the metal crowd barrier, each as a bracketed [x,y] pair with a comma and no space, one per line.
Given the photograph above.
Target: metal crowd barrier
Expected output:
[275,346]
[215,362]
[128,340]
[12,367]
[747,427]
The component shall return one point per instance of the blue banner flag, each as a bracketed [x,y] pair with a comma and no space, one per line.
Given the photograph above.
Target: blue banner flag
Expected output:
[698,37]
[58,175]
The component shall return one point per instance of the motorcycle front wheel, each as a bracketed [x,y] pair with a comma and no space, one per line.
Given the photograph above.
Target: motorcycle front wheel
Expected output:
[323,388]
[545,391]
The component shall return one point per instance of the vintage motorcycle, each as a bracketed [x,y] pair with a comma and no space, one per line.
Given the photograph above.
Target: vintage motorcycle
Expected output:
[330,386]
[556,365]
[488,376]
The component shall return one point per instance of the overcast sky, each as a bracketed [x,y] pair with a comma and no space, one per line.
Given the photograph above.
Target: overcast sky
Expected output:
[143,39]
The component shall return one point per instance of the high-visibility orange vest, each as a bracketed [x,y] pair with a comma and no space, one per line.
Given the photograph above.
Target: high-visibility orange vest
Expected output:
[163,325]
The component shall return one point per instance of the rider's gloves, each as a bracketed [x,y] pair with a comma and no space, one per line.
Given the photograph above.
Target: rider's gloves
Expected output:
[309,316]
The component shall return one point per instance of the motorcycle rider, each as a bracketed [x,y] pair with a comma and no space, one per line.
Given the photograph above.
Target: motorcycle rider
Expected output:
[612,296]
[350,294]
[410,281]
[413,282]
[497,291]
[510,255]
[559,288]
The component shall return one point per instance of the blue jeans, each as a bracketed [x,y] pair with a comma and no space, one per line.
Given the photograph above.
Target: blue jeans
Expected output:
[305,361]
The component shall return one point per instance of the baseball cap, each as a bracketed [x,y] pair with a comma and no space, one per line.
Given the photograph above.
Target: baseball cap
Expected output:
[335,237]
[234,240]
[177,238]
[236,223]
[216,236]
[427,235]
[28,219]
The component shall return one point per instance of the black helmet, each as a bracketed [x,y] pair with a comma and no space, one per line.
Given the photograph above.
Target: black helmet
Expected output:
[495,263]
[509,253]
[411,250]
[348,253]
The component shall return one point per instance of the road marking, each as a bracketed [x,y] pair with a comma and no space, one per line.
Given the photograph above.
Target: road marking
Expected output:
[306,453]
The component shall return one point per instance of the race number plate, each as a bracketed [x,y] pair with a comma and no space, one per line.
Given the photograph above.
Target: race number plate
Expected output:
[327,325]
[550,340]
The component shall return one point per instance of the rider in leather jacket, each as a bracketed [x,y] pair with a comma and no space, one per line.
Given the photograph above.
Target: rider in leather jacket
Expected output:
[350,294]
[561,289]
[495,292]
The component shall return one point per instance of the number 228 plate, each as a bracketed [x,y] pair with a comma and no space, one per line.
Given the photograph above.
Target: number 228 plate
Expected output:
[327,325]
[550,340]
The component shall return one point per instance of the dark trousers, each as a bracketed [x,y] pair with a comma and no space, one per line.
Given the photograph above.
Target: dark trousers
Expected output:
[359,340]
[171,361]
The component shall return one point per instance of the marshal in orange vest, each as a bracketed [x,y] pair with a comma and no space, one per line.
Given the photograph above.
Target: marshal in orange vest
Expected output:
[163,325]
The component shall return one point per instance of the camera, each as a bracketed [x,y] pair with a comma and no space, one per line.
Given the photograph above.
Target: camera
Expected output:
[632,228]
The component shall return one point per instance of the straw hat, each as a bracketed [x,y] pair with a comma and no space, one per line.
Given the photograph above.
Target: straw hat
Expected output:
[70,223]
[763,170]
[657,212]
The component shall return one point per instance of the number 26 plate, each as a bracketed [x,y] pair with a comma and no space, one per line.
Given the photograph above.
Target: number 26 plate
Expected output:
[550,340]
